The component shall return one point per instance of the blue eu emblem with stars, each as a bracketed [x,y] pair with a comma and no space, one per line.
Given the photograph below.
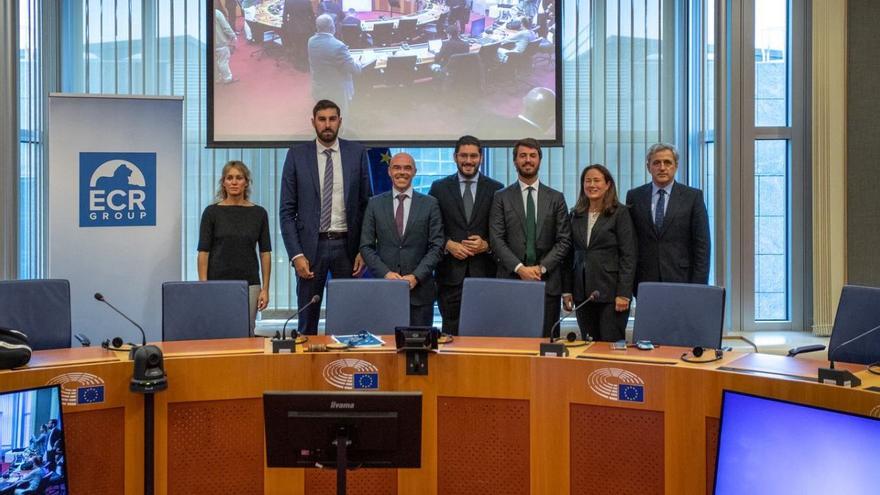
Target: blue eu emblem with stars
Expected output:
[631,393]
[366,380]
[90,395]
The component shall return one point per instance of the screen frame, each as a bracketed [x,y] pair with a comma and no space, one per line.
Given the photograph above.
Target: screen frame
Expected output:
[402,455]
[724,393]
[57,387]
[212,142]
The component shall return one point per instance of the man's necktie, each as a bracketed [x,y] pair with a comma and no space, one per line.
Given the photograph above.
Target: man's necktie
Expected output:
[327,192]
[398,215]
[531,228]
[468,199]
[660,209]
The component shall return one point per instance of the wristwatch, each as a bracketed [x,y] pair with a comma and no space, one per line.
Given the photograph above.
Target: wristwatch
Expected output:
[543,269]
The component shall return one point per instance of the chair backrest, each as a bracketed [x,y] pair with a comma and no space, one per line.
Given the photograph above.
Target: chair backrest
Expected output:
[40,309]
[501,308]
[686,315]
[466,75]
[382,33]
[401,71]
[351,35]
[374,305]
[406,28]
[857,312]
[489,54]
[216,309]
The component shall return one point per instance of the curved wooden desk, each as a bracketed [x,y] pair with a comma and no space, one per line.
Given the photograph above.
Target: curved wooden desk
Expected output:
[496,417]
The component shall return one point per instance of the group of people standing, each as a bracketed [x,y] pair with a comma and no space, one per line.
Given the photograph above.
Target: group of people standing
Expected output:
[468,225]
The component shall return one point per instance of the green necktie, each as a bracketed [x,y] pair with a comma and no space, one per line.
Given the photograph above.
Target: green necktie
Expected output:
[531,228]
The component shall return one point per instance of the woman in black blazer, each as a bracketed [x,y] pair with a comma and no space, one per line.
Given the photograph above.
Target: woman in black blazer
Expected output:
[603,258]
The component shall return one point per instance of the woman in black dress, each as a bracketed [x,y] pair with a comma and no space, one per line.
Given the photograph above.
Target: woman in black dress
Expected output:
[231,231]
[603,258]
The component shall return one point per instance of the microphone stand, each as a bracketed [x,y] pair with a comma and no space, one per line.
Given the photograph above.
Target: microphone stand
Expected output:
[553,348]
[283,344]
[842,377]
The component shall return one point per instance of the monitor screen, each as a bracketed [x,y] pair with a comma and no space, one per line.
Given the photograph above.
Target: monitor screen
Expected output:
[384,428]
[768,446]
[266,73]
[478,26]
[32,455]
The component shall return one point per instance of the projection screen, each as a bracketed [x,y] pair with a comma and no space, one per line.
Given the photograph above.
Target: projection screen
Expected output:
[404,72]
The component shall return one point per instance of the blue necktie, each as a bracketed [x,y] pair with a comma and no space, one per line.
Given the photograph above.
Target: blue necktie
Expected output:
[660,209]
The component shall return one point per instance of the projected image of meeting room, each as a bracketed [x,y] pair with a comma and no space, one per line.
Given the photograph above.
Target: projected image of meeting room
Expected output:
[32,443]
[401,70]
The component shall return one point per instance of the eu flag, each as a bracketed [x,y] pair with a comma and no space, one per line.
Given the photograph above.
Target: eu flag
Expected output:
[631,393]
[380,158]
[366,380]
[90,395]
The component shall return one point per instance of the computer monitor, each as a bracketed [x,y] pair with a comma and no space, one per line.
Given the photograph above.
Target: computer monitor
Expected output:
[385,428]
[32,441]
[769,446]
[477,27]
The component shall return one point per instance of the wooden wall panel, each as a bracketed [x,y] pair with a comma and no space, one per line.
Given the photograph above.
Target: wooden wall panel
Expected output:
[482,446]
[713,426]
[616,450]
[358,482]
[215,447]
[95,448]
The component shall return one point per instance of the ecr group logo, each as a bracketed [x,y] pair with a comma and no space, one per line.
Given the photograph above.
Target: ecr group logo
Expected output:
[117,189]
[617,384]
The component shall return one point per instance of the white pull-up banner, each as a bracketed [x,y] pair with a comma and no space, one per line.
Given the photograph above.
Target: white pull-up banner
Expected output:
[114,216]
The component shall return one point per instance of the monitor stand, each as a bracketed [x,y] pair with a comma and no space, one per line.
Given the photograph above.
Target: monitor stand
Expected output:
[342,442]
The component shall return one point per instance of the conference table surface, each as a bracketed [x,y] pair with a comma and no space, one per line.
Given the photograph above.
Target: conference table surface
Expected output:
[497,418]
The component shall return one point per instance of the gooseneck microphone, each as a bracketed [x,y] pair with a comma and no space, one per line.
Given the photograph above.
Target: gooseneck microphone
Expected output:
[850,341]
[315,300]
[842,377]
[553,331]
[100,297]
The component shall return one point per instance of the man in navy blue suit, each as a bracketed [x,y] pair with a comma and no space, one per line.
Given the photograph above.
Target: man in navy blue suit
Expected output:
[671,223]
[325,187]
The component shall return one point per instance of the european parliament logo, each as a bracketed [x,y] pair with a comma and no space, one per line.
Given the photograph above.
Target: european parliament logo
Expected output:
[117,189]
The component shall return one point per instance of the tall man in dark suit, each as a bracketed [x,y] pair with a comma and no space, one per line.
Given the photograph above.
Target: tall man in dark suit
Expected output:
[331,64]
[325,187]
[671,224]
[529,230]
[465,198]
[403,236]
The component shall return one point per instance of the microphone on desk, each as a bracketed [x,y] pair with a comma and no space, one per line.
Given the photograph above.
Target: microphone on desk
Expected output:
[842,377]
[553,348]
[100,297]
[283,343]
[593,296]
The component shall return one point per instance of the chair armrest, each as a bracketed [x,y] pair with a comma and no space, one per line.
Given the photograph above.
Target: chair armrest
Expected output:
[805,348]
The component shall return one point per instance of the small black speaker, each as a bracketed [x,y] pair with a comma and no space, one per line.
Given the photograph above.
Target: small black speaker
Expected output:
[149,370]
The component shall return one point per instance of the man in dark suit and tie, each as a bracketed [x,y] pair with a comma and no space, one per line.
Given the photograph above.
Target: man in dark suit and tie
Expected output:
[671,224]
[465,198]
[529,230]
[325,187]
[402,238]
[331,64]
